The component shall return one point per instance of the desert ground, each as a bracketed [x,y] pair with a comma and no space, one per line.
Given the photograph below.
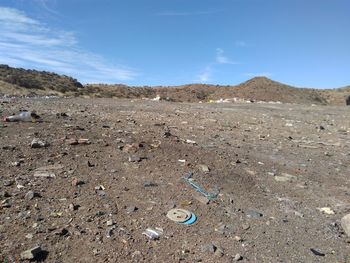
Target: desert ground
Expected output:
[279,172]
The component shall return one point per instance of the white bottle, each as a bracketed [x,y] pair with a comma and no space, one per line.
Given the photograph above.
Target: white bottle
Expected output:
[26,116]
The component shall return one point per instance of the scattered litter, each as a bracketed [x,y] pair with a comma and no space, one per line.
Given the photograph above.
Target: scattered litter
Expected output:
[44,174]
[178,215]
[24,116]
[190,141]
[189,180]
[182,216]
[153,234]
[182,160]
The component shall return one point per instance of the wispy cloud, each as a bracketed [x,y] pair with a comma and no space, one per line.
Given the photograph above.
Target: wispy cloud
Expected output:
[193,13]
[222,59]
[205,75]
[240,43]
[259,74]
[26,42]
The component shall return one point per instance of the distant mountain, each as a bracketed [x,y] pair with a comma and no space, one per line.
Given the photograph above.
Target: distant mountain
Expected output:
[33,80]
[25,82]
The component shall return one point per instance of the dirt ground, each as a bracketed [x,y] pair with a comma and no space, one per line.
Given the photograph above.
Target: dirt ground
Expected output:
[281,172]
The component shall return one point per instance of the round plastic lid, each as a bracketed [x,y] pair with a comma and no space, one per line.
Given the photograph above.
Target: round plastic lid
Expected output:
[179,215]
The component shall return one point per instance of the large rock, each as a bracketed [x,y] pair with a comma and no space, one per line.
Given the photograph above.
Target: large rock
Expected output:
[345,223]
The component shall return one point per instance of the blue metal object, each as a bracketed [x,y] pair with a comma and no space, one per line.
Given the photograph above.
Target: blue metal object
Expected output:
[189,180]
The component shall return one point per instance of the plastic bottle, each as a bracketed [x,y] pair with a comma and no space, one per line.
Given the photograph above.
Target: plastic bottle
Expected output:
[25,116]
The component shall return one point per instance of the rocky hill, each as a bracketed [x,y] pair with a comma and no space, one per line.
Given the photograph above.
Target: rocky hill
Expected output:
[24,81]
[16,81]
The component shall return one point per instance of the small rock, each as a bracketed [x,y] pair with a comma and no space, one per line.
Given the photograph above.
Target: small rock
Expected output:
[5,203]
[131,148]
[204,168]
[73,207]
[131,209]
[100,192]
[30,195]
[8,182]
[31,253]
[317,252]
[77,182]
[219,252]
[238,238]
[245,226]
[252,214]
[326,210]
[345,223]
[110,223]
[29,236]
[134,159]
[109,231]
[149,184]
[36,143]
[237,257]
[4,194]
[208,248]
[61,232]
[90,164]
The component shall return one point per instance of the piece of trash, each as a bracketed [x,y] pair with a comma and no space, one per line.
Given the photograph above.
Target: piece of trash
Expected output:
[178,215]
[189,180]
[190,141]
[25,116]
[44,174]
[182,216]
[153,234]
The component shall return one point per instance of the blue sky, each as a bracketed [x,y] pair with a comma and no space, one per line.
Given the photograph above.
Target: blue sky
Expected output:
[305,43]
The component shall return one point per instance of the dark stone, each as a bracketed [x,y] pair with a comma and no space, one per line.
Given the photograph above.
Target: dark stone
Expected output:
[317,252]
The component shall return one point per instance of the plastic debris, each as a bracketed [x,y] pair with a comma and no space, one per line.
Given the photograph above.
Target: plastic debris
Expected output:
[25,116]
[189,180]
[182,216]
[153,234]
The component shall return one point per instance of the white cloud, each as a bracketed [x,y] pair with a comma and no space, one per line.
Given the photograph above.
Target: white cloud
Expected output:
[205,75]
[26,42]
[222,59]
